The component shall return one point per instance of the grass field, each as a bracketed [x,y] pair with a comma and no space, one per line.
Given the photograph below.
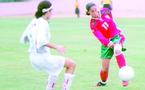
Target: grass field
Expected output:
[16,72]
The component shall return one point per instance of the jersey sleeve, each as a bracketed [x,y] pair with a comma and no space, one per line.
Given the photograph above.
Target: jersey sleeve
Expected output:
[104,41]
[24,37]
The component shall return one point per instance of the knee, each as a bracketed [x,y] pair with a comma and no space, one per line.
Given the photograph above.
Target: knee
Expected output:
[70,63]
[105,69]
[117,49]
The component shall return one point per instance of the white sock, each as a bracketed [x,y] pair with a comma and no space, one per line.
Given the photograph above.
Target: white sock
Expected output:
[51,82]
[67,81]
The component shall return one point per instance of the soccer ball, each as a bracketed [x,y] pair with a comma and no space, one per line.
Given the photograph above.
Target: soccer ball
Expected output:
[126,73]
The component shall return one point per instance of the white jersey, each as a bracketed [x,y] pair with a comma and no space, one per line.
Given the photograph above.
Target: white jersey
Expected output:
[37,35]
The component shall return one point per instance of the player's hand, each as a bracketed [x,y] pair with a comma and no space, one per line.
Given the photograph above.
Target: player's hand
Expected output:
[60,49]
[110,44]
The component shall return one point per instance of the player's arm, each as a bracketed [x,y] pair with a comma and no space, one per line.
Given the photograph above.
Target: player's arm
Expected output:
[53,46]
[24,37]
[43,41]
[122,37]
[49,45]
[104,41]
[59,48]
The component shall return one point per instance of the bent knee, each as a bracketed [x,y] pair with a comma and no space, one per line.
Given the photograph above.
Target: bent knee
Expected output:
[117,52]
[117,49]
[70,63]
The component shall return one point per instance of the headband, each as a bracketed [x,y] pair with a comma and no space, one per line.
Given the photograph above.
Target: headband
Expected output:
[46,9]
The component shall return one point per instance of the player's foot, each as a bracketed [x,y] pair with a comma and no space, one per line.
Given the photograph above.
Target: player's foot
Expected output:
[100,84]
[124,83]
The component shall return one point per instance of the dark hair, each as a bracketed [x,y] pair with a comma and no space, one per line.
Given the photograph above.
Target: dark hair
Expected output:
[42,5]
[88,6]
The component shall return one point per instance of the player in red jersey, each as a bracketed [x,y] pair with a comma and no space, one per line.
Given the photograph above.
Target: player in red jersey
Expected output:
[106,31]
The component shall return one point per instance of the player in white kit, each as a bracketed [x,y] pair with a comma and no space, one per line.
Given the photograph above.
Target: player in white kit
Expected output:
[37,34]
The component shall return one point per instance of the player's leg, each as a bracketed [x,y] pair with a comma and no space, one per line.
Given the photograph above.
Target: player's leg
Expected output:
[53,65]
[104,72]
[106,55]
[69,73]
[44,62]
[119,55]
[120,59]
[51,82]
[118,50]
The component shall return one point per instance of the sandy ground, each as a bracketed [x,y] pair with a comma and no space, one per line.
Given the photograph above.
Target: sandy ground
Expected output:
[121,8]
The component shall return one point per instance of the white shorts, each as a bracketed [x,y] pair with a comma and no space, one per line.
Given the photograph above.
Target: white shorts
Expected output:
[53,65]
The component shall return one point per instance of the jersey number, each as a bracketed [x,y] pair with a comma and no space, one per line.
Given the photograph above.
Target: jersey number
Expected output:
[105,25]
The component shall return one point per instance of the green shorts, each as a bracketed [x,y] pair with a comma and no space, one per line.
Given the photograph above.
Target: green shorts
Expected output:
[106,52]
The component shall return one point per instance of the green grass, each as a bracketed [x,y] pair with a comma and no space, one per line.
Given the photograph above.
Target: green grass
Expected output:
[16,72]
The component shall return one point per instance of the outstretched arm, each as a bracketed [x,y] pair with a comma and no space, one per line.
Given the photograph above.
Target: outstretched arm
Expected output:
[104,41]
[59,48]
[122,38]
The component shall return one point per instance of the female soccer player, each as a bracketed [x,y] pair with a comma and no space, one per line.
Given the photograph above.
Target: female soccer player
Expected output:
[105,30]
[37,34]
[77,10]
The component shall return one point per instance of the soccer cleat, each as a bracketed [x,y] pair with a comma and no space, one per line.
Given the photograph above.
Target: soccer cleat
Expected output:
[99,84]
[124,83]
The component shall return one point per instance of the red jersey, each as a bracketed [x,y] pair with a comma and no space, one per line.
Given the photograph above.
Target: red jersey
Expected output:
[104,29]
